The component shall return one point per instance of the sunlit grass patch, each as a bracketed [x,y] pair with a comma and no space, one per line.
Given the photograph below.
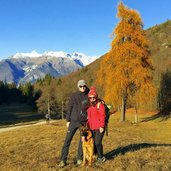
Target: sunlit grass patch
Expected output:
[142,146]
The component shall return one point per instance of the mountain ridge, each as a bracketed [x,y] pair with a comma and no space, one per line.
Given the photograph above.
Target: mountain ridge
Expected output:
[159,37]
[28,67]
[85,59]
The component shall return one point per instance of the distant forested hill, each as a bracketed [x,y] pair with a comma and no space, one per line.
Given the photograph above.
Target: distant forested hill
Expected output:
[159,38]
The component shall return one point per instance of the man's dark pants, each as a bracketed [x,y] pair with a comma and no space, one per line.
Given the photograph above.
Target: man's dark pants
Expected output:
[73,126]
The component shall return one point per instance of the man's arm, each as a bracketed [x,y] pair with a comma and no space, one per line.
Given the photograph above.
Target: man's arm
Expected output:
[69,109]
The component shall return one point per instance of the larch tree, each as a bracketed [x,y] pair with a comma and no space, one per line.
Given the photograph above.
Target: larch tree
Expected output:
[126,72]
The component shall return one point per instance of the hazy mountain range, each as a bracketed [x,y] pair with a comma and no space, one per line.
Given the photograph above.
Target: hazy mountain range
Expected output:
[28,67]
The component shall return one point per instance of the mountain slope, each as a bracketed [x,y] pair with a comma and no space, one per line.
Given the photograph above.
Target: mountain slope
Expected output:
[28,67]
[160,45]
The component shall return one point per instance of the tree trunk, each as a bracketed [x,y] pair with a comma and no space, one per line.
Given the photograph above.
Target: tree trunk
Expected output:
[123,109]
[136,115]
[49,106]
[62,109]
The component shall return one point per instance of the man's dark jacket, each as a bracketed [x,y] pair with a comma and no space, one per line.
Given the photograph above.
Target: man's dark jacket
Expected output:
[75,107]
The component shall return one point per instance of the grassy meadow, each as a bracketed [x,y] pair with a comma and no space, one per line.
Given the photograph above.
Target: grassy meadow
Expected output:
[134,147]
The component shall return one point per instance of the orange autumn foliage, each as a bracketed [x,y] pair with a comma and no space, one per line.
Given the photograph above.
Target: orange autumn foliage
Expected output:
[127,71]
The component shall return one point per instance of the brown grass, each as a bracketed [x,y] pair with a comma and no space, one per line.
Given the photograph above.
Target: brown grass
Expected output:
[144,146]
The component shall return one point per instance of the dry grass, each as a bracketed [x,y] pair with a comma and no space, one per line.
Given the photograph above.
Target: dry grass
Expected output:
[145,146]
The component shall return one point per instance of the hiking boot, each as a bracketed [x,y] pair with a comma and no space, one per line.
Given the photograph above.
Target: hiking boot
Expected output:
[62,164]
[79,162]
[100,160]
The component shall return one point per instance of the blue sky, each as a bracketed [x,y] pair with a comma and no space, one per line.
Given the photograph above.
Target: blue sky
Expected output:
[68,25]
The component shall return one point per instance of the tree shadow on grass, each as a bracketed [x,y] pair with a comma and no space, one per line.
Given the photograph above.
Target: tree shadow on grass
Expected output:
[156,116]
[132,147]
[13,118]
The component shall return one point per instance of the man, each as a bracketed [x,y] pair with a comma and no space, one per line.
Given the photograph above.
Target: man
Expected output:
[74,117]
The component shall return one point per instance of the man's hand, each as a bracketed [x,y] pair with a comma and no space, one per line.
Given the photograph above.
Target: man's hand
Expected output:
[67,124]
[101,130]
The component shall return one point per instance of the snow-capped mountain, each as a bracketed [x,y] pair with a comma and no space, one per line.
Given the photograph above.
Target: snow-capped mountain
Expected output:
[28,67]
[84,59]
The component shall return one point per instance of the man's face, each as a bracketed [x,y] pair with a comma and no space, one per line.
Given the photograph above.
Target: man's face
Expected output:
[82,88]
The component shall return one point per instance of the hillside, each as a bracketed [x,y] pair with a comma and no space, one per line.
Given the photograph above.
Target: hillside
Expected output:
[159,38]
[144,147]
[160,45]
[29,67]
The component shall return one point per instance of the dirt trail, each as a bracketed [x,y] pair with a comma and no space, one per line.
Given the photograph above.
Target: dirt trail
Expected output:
[23,126]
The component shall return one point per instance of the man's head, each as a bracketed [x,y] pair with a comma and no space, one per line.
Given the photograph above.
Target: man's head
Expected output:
[81,85]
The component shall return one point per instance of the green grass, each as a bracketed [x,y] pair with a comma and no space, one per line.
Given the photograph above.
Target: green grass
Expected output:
[135,147]
[17,113]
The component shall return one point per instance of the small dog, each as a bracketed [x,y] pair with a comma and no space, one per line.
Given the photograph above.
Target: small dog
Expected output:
[88,145]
